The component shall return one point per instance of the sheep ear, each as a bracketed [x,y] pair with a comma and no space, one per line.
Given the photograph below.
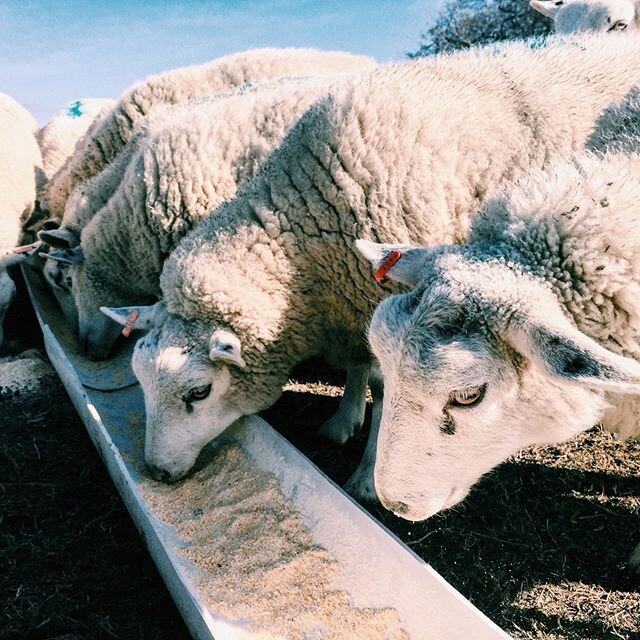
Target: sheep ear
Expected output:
[68,256]
[547,8]
[36,220]
[400,262]
[61,238]
[225,346]
[569,354]
[148,316]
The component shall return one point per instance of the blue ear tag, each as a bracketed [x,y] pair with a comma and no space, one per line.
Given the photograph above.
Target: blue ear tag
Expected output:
[75,109]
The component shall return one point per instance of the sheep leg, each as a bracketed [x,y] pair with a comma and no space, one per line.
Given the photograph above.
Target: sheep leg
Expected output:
[348,419]
[7,291]
[634,561]
[623,418]
[360,485]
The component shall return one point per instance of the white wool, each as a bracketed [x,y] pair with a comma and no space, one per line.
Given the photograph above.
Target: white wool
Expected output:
[105,139]
[57,139]
[185,162]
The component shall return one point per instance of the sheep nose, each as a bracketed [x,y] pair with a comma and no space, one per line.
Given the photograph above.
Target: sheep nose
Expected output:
[161,475]
[398,507]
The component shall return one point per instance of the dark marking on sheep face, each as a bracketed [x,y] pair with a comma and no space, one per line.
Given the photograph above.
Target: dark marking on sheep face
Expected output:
[448,424]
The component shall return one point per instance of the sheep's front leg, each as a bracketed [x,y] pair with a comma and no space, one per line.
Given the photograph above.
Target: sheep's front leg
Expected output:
[360,485]
[7,291]
[634,561]
[623,418]
[348,419]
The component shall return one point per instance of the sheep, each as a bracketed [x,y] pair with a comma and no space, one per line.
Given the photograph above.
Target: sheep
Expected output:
[571,16]
[108,136]
[189,165]
[528,334]
[404,152]
[20,175]
[57,139]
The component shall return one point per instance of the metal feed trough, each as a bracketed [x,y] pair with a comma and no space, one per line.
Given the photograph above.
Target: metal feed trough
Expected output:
[374,568]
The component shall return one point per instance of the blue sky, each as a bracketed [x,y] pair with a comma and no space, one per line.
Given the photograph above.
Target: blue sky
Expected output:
[55,51]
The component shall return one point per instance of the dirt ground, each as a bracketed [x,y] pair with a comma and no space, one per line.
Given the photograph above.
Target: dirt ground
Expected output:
[539,546]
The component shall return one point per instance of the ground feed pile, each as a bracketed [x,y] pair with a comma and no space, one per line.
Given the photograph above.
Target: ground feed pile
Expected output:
[258,563]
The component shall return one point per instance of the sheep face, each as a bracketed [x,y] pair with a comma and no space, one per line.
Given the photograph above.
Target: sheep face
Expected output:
[478,362]
[97,334]
[572,16]
[189,372]
[57,276]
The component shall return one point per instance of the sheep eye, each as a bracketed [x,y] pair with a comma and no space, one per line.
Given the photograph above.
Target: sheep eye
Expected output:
[468,397]
[620,25]
[198,393]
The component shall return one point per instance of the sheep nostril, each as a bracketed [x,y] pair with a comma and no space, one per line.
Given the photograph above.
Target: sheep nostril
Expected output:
[399,508]
[396,506]
[161,475]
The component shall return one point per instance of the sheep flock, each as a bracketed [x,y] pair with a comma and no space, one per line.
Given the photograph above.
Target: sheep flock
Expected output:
[459,232]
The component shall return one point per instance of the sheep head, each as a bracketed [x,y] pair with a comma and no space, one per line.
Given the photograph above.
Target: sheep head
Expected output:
[572,16]
[196,383]
[479,361]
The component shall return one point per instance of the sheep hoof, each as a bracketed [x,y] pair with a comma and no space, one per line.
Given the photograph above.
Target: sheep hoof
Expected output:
[339,429]
[360,486]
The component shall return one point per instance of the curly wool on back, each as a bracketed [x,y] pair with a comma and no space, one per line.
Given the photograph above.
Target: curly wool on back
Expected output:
[57,139]
[107,137]
[194,161]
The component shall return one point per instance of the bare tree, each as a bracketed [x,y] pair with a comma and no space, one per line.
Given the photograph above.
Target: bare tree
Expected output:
[464,23]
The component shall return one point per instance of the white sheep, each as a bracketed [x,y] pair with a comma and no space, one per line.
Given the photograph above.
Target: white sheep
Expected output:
[108,136]
[195,160]
[57,139]
[571,16]
[528,334]
[404,152]
[20,175]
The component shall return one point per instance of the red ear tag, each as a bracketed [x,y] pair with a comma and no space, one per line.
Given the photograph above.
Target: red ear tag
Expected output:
[385,267]
[128,328]
[25,248]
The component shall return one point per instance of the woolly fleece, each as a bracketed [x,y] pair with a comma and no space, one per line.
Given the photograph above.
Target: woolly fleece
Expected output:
[192,164]
[106,138]
[57,139]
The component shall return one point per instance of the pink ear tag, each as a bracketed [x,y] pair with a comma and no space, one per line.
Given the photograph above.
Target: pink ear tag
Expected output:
[25,248]
[128,328]
[385,267]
